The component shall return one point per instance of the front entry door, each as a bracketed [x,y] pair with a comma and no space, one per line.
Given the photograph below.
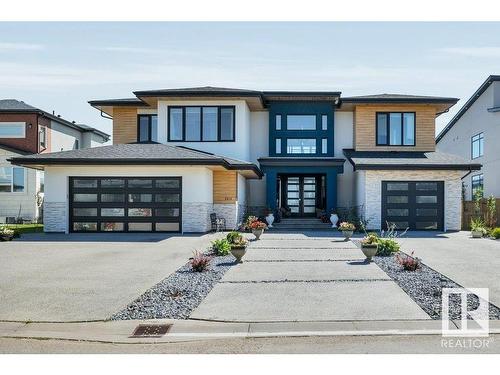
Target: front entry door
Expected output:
[301,195]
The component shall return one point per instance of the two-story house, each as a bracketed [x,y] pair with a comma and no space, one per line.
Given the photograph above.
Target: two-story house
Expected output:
[472,134]
[180,154]
[25,130]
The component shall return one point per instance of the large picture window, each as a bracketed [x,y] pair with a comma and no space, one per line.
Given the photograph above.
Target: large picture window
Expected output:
[477,145]
[301,122]
[395,128]
[477,185]
[147,128]
[12,180]
[301,146]
[201,124]
[12,129]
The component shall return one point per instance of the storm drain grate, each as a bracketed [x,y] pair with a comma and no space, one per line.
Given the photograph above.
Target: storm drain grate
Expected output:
[151,330]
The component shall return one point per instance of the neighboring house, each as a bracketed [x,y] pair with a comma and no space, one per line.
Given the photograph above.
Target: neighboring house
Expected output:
[28,130]
[472,134]
[181,154]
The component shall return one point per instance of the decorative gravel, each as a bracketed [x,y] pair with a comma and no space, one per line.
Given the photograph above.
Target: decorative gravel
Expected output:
[424,287]
[179,294]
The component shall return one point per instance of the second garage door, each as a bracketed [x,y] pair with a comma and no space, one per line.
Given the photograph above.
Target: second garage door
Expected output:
[125,204]
[417,205]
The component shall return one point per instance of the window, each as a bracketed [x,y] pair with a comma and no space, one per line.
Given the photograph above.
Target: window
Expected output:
[42,181]
[477,185]
[395,129]
[77,144]
[278,122]
[147,128]
[477,145]
[12,129]
[278,145]
[301,146]
[324,122]
[42,137]
[301,122]
[201,124]
[324,146]
[11,179]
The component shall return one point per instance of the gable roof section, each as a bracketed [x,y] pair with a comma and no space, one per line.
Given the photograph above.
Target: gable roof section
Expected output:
[17,106]
[135,154]
[408,160]
[468,104]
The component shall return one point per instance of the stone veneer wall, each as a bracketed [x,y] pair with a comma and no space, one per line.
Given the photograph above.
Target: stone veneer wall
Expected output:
[452,193]
[196,217]
[228,211]
[55,218]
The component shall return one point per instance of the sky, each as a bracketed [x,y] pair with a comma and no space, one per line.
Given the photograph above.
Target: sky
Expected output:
[60,66]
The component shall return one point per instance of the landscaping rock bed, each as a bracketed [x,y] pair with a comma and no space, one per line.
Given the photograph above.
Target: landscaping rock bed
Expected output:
[424,287]
[179,294]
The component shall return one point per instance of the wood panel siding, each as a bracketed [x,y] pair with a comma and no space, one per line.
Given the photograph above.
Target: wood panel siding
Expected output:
[225,186]
[124,125]
[365,127]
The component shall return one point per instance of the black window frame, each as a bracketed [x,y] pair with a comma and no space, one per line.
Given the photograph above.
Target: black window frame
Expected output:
[150,126]
[42,134]
[480,137]
[388,125]
[479,183]
[219,124]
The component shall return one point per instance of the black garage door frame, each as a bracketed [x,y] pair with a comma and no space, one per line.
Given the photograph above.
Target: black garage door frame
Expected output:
[418,212]
[153,205]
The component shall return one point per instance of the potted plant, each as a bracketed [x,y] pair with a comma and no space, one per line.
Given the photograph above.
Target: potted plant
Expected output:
[347,229]
[477,227]
[6,234]
[269,217]
[369,246]
[334,219]
[257,228]
[239,248]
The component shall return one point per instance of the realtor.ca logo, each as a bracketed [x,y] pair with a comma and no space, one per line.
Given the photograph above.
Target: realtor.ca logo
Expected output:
[465,318]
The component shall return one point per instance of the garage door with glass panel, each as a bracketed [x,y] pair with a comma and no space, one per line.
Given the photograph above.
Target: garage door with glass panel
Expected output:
[417,205]
[116,204]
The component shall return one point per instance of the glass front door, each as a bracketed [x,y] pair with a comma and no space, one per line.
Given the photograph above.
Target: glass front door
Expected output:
[301,195]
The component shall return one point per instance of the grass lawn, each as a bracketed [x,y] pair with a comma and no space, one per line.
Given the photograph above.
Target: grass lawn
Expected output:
[24,228]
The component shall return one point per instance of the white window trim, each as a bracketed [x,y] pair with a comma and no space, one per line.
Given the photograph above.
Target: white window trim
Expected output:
[22,124]
[12,180]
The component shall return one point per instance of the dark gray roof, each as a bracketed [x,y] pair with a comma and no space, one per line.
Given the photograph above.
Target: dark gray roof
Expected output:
[205,90]
[301,162]
[18,106]
[468,104]
[408,160]
[398,98]
[136,153]
[118,102]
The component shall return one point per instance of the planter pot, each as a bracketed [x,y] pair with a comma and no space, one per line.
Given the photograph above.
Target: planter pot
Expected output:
[270,220]
[369,251]
[347,234]
[334,219]
[257,233]
[477,234]
[238,252]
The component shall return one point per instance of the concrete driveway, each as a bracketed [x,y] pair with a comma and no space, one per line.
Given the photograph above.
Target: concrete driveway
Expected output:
[85,277]
[303,277]
[472,263]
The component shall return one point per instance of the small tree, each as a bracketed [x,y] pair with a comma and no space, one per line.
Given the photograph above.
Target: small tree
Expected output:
[491,214]
[477,196]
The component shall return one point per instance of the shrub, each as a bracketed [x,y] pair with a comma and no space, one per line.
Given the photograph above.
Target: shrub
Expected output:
[387,246]
[200,262]
[495,233]
[221,247]
[346,226]
[408,262]
[232,237]
[477,225]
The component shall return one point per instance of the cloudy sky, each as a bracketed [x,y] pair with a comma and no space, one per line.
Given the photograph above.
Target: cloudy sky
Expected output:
[60,66]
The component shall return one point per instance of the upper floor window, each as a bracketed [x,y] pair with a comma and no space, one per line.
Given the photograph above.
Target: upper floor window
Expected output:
[147,128]
[301,122]
[12,129]
[77,144]
[477,145]
[395,128]
[477,186]
[301,146]
[201,124]
[11,179]
[42,137]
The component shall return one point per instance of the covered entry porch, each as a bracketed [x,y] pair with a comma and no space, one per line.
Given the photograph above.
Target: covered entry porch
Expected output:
[301,187]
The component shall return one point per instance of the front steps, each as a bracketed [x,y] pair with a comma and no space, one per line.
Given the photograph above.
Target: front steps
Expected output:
[299,224]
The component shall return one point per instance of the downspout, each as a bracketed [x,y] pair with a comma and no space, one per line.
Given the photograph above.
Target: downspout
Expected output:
[106,116]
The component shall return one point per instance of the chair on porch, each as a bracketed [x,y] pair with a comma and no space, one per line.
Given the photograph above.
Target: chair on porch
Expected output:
[218,223]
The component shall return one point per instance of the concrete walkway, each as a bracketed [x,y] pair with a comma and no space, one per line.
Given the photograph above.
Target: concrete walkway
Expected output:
[301,277]
[471,262]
